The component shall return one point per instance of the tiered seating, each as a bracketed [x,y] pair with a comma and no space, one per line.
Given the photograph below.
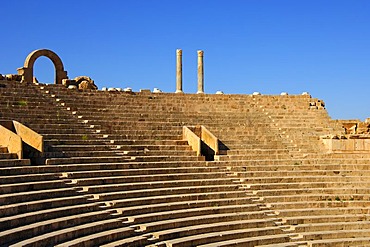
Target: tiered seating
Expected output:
[321,196]
[298,119]
[121,174]
[180,196]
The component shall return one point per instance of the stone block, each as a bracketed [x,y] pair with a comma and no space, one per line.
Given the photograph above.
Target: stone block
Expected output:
[145,91]
[67,82]
[84,85]
[13,77]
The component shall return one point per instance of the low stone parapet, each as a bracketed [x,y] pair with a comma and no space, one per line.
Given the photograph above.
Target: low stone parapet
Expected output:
[346,143]
[18,137]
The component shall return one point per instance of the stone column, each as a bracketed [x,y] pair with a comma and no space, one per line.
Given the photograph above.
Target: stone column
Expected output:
[200,72]
[179,71]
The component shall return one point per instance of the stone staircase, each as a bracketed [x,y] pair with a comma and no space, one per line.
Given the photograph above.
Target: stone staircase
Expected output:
[117,172]
[11,159]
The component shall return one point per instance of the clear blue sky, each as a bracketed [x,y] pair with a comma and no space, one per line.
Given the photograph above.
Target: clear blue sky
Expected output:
[270,46]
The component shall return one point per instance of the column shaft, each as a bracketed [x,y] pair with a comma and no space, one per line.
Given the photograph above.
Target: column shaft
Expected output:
[179,71]
[200,72]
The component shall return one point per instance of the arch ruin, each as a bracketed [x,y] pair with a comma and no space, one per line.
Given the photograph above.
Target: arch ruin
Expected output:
[27,71]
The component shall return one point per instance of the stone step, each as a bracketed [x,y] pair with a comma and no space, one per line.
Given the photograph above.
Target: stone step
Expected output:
[208,228]
[335,234]
[316,219]
[138,172]
[14,162]
[105,137]
[321,211]
[34,111]
[36,195]
[190,212]
[331,226]
[303,191]
[58,148]
[350,241]
[161,225]
[146,132]
[329,202]
[257,144]
[247,151]
[315,197]
[346,155]
[328,173]
[38,205]
[117,153]
[136,106]
[52,171]
[253,157]
[201,239]
[109,141]
[82,136]
[108,196]
[154,184]
[101,235]
[30,186]
[68,131]
[39,117]
[285,244]
[122,133]
[3,149]
[14,235]
[295,164]
[143,178]
[306,185]
[115,159]
[181,204]
[302,179]
[272,240]
[74,160]
[7,156]
[106,104]
[238,125]
[136,241]
[339,161]
[27,218]
[62,126]
[25,178]
[130,202]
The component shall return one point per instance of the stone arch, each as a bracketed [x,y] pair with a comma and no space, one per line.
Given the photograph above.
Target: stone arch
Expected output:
[27,70]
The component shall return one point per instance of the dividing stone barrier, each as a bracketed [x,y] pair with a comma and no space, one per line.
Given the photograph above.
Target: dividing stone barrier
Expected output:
[14,134]
[11,141]
[202,141]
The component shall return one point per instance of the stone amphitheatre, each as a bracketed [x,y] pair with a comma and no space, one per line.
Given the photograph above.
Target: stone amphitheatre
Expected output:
[87,167]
